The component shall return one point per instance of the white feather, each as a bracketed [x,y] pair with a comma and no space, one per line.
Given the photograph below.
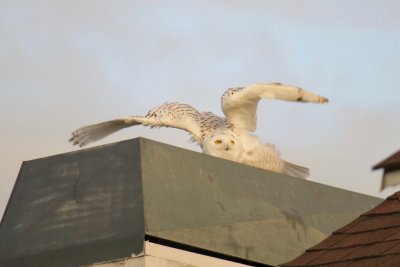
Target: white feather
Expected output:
[228,137]
[239,104]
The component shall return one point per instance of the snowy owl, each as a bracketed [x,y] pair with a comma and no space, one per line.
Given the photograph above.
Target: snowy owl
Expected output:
[228,137]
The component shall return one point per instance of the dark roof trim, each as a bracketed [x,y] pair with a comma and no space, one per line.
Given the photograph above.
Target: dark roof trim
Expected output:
[391,163]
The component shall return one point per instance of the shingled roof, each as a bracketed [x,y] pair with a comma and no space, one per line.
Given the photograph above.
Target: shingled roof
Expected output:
[392,162]
[373,239]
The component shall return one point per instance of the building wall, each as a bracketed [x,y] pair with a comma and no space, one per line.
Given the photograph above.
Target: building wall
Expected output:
[391,178]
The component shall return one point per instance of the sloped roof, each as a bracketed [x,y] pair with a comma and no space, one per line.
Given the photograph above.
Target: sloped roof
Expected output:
[373,239]
[392,162]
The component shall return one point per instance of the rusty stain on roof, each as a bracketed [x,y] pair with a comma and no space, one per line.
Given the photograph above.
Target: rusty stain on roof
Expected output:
[373,239]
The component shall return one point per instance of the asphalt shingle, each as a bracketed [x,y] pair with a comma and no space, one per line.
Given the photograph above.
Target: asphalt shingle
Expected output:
[373,239]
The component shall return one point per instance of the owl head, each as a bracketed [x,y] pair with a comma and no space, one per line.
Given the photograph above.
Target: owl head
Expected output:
[223,144]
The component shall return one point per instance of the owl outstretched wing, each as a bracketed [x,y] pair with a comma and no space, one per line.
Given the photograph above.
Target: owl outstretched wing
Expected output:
[240,104]
[174,115]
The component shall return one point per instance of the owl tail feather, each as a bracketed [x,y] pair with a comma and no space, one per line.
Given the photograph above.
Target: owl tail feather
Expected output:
[295,170]
[91,133]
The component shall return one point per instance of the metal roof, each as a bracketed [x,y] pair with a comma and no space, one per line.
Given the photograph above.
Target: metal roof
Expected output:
[101,204]
[371,240]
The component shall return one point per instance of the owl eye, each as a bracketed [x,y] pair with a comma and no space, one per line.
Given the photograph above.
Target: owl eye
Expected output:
[218,142]
[232,142]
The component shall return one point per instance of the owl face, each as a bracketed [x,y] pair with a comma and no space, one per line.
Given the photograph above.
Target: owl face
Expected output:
[223,145]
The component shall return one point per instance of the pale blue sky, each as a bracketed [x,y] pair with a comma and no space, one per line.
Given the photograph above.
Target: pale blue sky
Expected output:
[65,64]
